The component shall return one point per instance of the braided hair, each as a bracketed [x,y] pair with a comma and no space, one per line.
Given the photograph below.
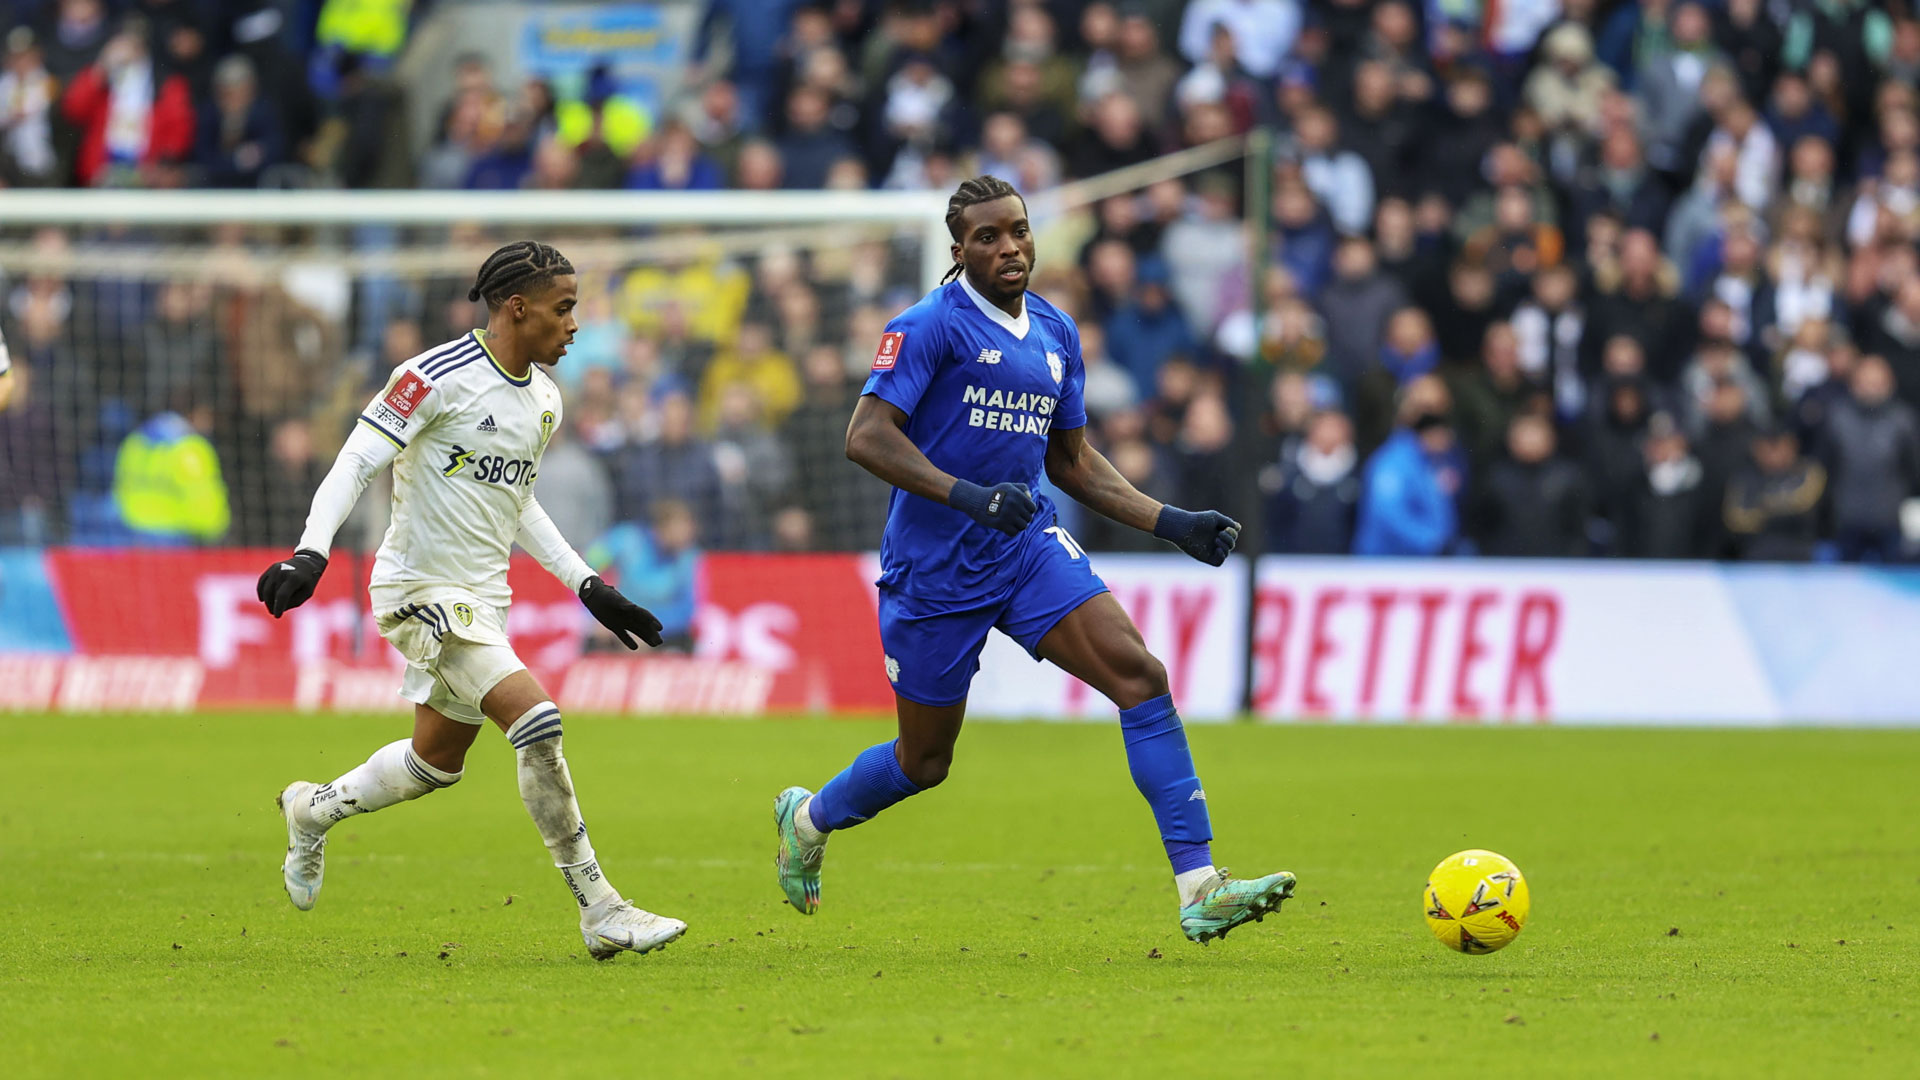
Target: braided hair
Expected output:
[973,192]
[519,266]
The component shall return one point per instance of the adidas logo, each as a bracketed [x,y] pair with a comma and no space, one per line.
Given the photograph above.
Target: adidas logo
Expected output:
[989,356]
[1197,796]
[487,424]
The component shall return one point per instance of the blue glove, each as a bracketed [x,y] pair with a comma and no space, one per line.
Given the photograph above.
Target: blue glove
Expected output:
[1208,535]
[1006,507]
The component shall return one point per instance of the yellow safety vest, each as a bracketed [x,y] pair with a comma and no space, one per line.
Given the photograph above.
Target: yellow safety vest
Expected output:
[170,485]
[368,27]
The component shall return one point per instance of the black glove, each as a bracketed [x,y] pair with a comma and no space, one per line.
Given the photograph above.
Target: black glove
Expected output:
[1006,507]
[619,614]
[1208,535]
[290,582]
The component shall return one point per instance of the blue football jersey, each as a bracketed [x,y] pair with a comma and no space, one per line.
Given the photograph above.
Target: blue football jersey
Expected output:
[981,390]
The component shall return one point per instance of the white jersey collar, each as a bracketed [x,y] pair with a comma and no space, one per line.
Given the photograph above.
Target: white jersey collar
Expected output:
[1015,326]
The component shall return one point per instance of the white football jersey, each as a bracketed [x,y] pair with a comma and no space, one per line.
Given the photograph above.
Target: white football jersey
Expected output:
[470,438]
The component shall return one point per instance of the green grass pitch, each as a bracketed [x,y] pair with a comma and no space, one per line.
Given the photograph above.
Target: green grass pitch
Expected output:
[1705,903]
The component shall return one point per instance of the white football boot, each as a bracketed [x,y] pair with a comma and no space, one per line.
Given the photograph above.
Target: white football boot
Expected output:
[618,927]
[306,860]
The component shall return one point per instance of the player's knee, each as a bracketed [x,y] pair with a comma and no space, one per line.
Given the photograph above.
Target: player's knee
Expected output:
[1139,676]
[927,768]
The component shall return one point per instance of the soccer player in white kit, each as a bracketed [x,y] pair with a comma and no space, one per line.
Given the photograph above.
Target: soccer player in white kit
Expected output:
[464,426]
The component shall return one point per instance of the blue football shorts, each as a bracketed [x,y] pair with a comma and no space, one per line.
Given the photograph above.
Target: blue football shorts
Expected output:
[933,647]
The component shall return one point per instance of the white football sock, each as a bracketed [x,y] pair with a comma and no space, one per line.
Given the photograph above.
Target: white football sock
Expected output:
[546,787]
[1191,883]
[393,774]
[804,827]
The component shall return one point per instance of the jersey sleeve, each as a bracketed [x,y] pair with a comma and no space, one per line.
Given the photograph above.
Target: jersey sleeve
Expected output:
[1071,412]
[909,355]
[541,538]
[405,407]
[364,455]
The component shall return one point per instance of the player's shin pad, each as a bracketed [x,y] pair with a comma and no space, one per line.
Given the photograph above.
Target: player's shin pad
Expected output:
[1162,768]
[546,787]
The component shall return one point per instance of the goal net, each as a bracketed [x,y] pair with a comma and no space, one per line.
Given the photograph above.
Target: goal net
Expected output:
[184,375]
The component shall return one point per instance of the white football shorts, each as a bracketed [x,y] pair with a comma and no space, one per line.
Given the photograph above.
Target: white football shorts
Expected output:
[455,646]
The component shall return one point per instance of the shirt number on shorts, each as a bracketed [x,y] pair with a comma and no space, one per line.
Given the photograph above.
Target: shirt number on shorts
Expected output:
[1072,546]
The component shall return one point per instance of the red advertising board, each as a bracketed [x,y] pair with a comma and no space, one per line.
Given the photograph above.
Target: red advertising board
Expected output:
[181,629]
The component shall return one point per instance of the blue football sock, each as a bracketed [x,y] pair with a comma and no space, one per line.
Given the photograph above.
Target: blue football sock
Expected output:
[1162,768]
[871,784]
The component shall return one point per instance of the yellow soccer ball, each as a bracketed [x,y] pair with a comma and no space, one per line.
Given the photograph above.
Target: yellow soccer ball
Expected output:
[1476,901]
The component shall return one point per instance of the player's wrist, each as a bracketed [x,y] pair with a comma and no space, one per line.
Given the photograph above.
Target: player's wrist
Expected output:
[1174,523]
[968,496]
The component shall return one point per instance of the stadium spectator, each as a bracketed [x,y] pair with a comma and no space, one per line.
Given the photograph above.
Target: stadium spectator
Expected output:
[78,31]
[811,145]
[1638,298]
[1490,395]
[181,354]
[1615,461]
[1673,517]
[1871,449]
[1339,178]
[1548,327]
[1312,491]
[27,95]
[1263,31]
[136,120]
[846,506]
[1465,130]
[1531,503]
[1410,484]
[1199,245]
[167,484]
[572,484]
[756,468]
[1148,328]
[1566,90]
[1669,83]
[754,361]
[675,463]
[1356,304]
[239,134]
[754,29]
[656,565]
[1773,506]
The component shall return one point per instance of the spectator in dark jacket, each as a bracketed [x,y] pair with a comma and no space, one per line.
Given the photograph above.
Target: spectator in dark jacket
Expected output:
[811,145]
[1143,333]
[1673,518]
[1772,508]
[1312,491]
[1615,463]
[240,134]
[1640,302]
[675,465]
[1356,305]
[1872,452]
[1532,503]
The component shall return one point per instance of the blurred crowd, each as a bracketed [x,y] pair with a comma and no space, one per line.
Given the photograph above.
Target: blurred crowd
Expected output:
[1536,278]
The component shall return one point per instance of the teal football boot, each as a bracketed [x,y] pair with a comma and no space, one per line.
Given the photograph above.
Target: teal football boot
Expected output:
[1225,903]
[797,863]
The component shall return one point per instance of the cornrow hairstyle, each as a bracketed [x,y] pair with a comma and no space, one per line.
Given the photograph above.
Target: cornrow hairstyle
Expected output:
[521,265]
[973,192]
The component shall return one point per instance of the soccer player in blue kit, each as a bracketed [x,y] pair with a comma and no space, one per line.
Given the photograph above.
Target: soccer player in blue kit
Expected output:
[974,390]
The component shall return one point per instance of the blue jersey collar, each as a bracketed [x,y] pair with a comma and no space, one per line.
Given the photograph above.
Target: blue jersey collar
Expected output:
[1015,326]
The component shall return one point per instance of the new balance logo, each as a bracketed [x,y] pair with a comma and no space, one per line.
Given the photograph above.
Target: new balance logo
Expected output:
[989,356]
[487,424]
